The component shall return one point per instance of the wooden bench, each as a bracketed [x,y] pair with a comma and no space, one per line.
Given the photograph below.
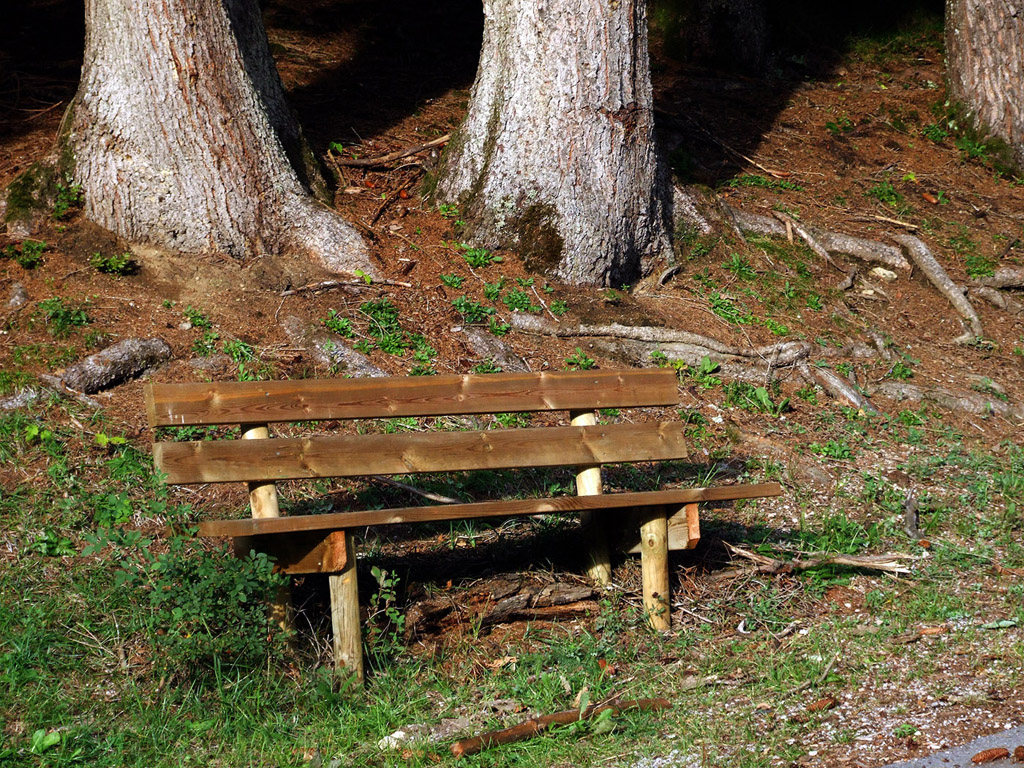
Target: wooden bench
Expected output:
[665,519]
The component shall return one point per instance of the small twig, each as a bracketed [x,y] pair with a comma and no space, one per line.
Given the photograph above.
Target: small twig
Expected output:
[373,162]
[819,680]
[439,498]
[814,245]
[897,222]
[389,198]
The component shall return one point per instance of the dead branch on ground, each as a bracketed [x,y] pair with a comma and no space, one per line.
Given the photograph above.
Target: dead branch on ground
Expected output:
[889,563]
[531,728]
[383,160]
[837,388]
[327,285]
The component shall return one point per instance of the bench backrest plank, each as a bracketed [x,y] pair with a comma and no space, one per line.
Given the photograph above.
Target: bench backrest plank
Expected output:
[221,461]
[263,402]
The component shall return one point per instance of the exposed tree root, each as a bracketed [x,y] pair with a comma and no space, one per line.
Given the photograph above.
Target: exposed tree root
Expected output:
[1005,277]
[837,388]
[997,299]
[926,262]
[786,353]
[828,241]
[977,403]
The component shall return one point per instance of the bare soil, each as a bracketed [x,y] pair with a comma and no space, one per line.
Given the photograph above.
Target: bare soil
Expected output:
[374,85]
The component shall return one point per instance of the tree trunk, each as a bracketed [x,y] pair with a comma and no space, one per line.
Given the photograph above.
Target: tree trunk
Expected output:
[180,136]
[985,59]
[556,157]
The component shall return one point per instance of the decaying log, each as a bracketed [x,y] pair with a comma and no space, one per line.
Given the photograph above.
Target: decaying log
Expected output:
[786,353]
[926,262]
[538,725]
[837,388]
[998,299]
[1005,277]
[889,563]
[115,364]
[977,403]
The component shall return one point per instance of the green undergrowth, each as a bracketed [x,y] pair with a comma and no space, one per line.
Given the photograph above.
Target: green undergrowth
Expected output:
[122,644]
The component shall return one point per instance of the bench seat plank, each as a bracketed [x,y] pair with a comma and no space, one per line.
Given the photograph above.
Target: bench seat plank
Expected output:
[261,402]
[482,509]
[221,461]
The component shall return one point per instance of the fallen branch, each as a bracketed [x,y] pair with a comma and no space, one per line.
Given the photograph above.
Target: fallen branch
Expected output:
[439,498]
[374,162]
[889,563]
[531,728]
[786,353]
[327,285]
[926,262]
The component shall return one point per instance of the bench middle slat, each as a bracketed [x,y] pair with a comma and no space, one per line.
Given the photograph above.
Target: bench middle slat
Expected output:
[398,454]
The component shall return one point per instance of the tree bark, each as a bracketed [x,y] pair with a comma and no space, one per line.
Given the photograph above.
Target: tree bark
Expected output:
[985,60]
[556,157]
[180,136]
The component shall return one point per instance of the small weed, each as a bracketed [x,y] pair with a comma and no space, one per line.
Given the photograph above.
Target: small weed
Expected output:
[335,323]
[740,266]
[448,210]
[512,420]
[492,291]
[702,375]
[196,318]
[386,624]
[884,192]
[971,148]
[579,361]
[728,311]
[833,449]
[935,133]
[69,197]
[559,308]
[904,730]
[487,366]
[62,316]
[119,264]
[453,280]
[471,311]
[496,327]
[28,255]
[741,394]
[900,371]
[808,393]
[839,126]
[519,301]
[52,544]
[206,344]
[479,257]
[754,180]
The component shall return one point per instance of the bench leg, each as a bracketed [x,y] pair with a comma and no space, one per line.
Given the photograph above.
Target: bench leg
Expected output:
[348,638]
[595,532]
[654,564]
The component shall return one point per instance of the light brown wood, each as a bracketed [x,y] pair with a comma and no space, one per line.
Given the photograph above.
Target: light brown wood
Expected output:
[483,509]
[263,504]
[692,516]
[356,455]
[683,530]
[348,638]
[300,552]
[588,483]
[320,399]
[654,565]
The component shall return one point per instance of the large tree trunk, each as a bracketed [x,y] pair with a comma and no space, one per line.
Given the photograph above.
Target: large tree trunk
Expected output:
[180,136]
[985,59]
[556,157]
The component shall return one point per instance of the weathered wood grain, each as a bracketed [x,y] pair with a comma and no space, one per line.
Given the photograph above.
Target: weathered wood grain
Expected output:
[245,402]
[483,509]
[224,461]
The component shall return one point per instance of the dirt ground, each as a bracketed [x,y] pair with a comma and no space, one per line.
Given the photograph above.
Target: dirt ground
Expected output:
[818,139]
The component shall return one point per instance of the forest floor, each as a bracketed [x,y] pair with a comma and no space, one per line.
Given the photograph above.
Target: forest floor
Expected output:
[830,666]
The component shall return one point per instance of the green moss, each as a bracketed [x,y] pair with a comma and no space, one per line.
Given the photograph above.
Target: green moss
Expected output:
[30,193]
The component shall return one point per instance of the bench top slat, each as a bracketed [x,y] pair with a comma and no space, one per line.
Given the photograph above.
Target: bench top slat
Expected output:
[260,402]
[224,461]
[508,508]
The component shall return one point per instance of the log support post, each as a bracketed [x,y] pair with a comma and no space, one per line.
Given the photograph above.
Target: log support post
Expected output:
[348,640]
[654,564]
[263,503]
[595,532]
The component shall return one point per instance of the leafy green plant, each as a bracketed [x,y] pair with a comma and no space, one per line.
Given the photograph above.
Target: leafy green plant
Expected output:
[808,393]
[487,366]
[471,311]
[839,126]
[742,394]
[885,192]
[69,197]
[63,316]
[386,623]
[833,449]
[740,266]
[206,344]
[579,361]
[196,318]
[52,544]
[335,323]
[702,374]
[935,133]
[115,264]
[28,254]
[453,280]
[900,371]
[448,210]
[496,327]
[728,311]
[754,180]
[559,308]
[492,291]
[517,300]
[478,257]
[972,148]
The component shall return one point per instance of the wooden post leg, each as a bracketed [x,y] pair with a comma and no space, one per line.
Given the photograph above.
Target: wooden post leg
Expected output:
[588,483]
[348,639]
[263,503]
[654,564]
